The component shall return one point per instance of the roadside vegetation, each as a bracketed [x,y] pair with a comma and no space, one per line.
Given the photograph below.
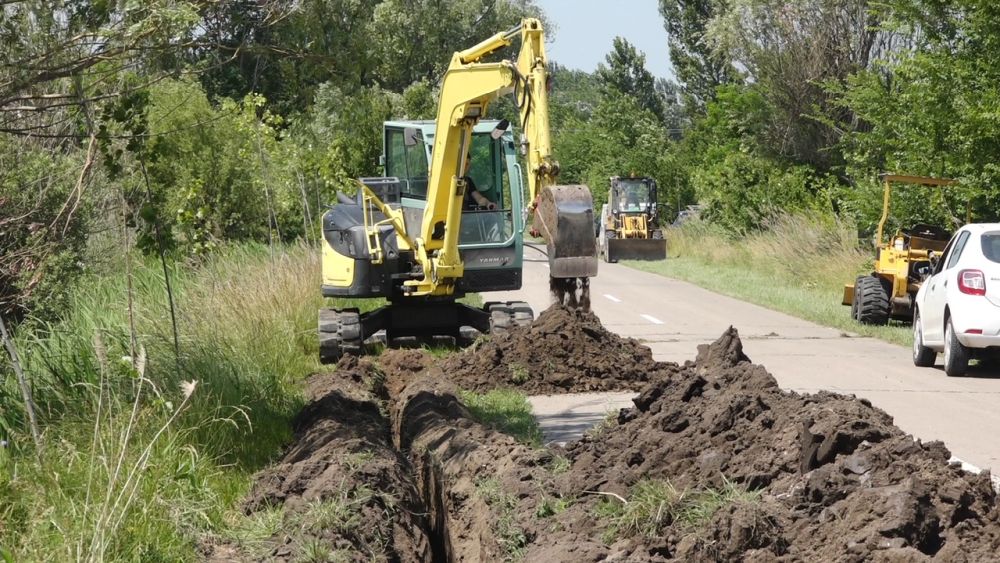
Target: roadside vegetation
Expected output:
[798,264]
[654,505]
[505,410]
[143,449]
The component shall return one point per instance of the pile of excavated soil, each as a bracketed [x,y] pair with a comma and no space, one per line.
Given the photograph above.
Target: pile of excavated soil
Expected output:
[819,477]
[834,478]
[564,350]
[343,490]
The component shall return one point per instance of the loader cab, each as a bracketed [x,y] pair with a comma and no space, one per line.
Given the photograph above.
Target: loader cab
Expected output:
[633,195]
[489,240]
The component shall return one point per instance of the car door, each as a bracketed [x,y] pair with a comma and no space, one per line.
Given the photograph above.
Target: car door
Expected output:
[935,299]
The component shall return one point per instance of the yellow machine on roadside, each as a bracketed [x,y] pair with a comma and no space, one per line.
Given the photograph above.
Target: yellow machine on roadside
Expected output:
[448,217]
[901,263]
[629,229]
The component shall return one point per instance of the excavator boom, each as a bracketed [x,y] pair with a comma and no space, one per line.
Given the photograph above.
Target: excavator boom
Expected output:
[563,215]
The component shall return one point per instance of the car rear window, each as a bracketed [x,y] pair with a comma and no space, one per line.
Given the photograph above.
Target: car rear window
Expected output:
[991,246]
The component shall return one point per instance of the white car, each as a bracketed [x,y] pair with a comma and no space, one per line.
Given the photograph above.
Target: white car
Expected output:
[957,309]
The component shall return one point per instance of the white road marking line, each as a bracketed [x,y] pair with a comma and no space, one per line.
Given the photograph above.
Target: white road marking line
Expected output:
[613,298]
[652,319]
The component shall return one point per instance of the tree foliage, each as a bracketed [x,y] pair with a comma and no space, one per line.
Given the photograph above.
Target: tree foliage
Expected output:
[700,69]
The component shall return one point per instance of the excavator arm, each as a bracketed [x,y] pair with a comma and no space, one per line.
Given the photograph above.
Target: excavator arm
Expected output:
[563,214]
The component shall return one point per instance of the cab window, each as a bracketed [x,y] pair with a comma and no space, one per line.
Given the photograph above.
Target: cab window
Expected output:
[406,162]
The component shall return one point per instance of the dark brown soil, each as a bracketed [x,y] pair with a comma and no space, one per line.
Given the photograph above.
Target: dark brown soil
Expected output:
[343,490]
[564,350]
[835,479]
[819,477]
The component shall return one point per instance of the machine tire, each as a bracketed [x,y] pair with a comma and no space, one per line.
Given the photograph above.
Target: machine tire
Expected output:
[956,355]
[340,333]
[657,234]
[608,235]
[923,357]
[872,300]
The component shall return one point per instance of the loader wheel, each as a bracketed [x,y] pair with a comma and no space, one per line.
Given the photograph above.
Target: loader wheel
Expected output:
[956,356]
[339,333]
[608,237]
[923,357]
[658,234]
[873,301]
[854,301]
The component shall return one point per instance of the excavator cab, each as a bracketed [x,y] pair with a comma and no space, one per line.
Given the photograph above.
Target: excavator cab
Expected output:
[490,240]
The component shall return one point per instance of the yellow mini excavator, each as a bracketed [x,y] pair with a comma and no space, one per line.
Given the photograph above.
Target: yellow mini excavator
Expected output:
[421,239]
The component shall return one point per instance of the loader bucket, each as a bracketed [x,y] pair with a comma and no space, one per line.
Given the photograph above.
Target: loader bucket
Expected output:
[565,219]
[636,249]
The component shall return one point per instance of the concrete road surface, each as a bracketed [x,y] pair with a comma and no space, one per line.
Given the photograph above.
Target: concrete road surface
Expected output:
[673,317]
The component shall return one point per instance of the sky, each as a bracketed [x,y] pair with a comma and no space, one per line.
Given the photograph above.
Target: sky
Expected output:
[586,28]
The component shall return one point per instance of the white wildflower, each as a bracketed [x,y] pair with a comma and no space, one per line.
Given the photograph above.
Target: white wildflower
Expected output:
[187,387]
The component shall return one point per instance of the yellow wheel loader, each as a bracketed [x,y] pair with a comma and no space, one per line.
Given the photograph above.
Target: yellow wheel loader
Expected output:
[628,229]
[901,263]
[448,217]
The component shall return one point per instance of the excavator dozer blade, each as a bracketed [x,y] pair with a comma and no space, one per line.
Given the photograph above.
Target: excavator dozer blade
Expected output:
[565,218]
[636,249]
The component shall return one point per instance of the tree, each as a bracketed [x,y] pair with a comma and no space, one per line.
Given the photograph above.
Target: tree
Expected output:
[793,53]
[626,73]
[700,69]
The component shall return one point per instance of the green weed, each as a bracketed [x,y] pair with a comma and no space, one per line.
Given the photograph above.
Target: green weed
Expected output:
[518,373]
[559,465]
[510,536]
[609,421]
[505,410]
[550,506]
[653,505]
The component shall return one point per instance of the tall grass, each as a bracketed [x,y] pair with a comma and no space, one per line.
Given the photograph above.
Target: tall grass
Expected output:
[798,265]
[136,462]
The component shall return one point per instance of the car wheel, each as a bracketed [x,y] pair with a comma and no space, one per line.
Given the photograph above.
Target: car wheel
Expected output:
[956,356]
[923,356]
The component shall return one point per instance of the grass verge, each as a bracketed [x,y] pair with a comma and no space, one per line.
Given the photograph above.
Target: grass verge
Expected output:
[505,410]
[798,266]
[147,446]
[653,505]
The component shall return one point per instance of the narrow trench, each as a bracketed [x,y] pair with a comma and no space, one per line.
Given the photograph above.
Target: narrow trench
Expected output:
[427,481]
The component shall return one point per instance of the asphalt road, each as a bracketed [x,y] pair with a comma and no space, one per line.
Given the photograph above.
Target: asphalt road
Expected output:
[672,317]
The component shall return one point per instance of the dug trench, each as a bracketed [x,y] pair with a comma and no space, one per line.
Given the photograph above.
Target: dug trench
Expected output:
[714,462]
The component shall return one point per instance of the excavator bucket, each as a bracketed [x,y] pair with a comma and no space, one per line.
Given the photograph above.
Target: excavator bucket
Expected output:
[565,219]
[636,249]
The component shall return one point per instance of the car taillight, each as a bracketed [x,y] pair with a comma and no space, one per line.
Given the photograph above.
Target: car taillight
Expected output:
[972,282]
